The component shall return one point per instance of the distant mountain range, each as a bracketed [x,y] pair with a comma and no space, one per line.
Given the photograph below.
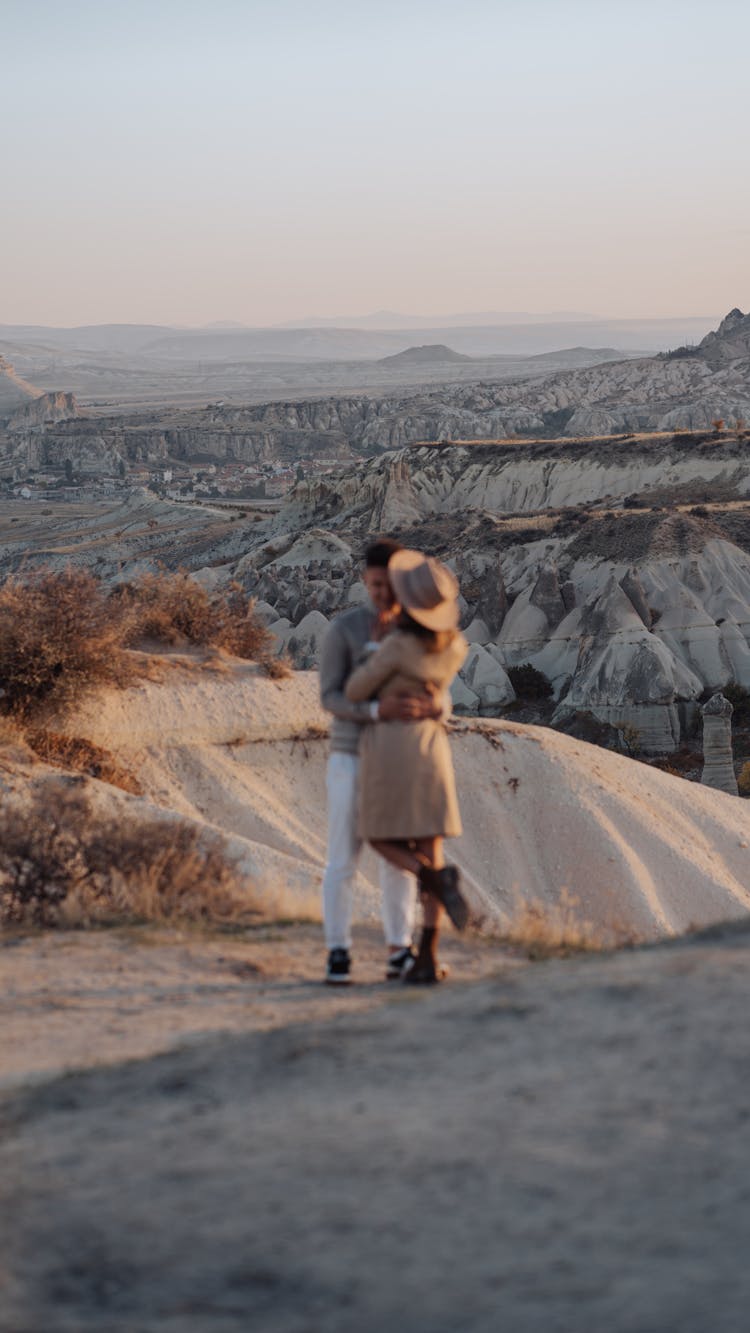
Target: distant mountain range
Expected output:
[518,335]
[394,319]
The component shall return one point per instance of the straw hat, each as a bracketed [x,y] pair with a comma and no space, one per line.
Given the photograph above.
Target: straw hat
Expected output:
[425,588]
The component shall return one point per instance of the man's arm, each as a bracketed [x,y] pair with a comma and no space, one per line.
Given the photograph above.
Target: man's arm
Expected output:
[335,668]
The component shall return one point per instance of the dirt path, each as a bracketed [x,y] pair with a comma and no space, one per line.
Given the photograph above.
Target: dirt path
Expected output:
[558,1148]
[71,999]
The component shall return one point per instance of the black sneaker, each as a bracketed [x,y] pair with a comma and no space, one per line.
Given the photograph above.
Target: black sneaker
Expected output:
[338,969]
[399,964]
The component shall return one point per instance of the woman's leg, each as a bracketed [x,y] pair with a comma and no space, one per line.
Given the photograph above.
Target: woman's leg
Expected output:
[411,855]
[398,853]
[430,850]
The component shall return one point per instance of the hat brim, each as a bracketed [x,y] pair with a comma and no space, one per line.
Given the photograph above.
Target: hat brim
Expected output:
[444,616]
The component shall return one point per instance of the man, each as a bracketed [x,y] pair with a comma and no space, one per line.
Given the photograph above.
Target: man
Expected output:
[351,635]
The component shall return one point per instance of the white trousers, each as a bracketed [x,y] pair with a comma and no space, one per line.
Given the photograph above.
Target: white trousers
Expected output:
[398,888]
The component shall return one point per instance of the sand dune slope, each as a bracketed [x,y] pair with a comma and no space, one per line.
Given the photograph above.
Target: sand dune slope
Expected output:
[545,815]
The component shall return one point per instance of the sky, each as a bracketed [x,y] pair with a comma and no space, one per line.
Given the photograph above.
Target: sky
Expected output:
[177,162]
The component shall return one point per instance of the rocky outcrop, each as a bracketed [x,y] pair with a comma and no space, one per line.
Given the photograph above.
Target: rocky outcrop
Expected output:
[730,342]
[672,392]
[15,392]
[633,642]
[409,485]
[718,765]
[43,410]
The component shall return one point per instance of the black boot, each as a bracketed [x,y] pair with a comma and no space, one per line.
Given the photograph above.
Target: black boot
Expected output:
[445,886]
[425,970]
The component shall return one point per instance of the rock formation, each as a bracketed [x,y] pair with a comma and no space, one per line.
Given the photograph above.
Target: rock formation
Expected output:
[686,390]
[718,764]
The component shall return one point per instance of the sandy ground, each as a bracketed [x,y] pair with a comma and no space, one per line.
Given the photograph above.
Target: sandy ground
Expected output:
[550,1148]
[73,999]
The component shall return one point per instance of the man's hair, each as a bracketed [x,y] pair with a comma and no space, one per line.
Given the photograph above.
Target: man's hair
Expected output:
[379,552]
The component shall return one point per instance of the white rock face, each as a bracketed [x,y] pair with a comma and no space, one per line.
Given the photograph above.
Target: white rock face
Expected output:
[401,488]
[488,680]
[464,699]
[635,846]
[646,636]
[718,767]
[314,546]
[525,630]
[477,632]
[305,641]
[265,612]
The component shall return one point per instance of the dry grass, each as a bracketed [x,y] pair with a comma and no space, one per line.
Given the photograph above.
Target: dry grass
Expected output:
[11,733]
[58,636]
[173,608]
[61,865]
[539,931]
[62,633]
[82,756]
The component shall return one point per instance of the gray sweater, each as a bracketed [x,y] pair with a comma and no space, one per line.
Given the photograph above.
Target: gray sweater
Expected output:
[344,647]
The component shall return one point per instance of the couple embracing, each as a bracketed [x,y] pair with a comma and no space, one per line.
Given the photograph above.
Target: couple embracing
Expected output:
[385,674]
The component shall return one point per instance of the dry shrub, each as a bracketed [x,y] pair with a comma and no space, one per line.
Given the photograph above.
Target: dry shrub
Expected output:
[82,756]
[540,931]
[173,608]
[743,779]
[41,857]
[278,668]
[60,864]
[11,734]
[58,636]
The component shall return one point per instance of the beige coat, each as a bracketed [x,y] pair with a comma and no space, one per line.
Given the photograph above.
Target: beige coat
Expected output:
[407,788]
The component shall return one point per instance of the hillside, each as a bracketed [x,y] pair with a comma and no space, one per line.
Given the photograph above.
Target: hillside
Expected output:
[156,1079]
[336,410]
[428,353]
[15,392]
[639,849]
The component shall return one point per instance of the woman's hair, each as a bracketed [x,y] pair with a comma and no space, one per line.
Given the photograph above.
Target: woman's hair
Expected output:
[435,640]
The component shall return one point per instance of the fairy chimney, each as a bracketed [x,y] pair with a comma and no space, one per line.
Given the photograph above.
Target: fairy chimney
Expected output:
[718,766]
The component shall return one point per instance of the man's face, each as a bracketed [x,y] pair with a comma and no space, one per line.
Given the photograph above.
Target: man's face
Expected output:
[379,588]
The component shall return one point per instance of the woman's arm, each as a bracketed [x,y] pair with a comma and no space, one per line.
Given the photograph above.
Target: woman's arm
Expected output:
[334,668]
[367,679]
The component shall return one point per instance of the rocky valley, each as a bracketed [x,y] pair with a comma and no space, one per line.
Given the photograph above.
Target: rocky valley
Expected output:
[614,564]
[688,388]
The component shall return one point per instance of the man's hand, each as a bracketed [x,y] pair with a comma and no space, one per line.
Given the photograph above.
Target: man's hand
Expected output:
[409,707]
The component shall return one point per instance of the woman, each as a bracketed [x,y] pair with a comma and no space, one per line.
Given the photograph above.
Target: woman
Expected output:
[407,793]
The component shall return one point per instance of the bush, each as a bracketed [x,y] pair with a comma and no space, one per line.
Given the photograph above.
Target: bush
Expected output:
[698,511]
[173,608]
[82,756]
[529,683]
[540,931]
[59,634]
[743,779]
[62,632]
[739,698]
[58,863]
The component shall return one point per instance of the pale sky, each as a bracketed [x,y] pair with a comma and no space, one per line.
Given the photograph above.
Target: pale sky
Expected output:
[169,161]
